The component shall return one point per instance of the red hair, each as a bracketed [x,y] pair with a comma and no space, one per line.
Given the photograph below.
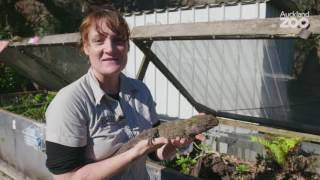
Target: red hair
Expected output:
[104,15]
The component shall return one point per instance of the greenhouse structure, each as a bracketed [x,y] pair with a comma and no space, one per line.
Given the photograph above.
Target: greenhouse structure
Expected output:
[193,59]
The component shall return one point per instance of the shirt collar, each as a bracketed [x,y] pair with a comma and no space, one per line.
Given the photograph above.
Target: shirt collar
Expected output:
[98,93]
[126,86]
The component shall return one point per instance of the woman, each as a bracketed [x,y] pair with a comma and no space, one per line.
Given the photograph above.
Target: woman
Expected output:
[91,118]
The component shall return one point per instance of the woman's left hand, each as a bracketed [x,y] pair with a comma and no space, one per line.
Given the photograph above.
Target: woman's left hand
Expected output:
[169,149]
[179,142]
[183,142]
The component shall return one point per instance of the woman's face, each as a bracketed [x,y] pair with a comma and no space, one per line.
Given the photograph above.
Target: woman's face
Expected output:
[107,52]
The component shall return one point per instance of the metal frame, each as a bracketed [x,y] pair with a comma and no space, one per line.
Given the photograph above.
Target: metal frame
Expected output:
[268,28]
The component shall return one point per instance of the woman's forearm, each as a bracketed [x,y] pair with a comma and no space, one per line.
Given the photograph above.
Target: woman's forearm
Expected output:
[107,168]
[104,169]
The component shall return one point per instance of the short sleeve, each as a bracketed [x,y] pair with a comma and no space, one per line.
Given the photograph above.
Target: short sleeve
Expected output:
[62,159]
[66,120]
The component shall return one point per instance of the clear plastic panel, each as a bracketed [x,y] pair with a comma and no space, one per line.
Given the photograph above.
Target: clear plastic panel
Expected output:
[250,78]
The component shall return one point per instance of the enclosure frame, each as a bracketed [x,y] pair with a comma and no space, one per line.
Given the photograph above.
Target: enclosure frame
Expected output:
[269,28]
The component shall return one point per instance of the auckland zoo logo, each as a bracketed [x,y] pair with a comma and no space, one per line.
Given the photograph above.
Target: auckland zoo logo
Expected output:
[294,20]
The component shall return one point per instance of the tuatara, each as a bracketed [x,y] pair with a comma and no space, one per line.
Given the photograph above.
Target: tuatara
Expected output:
[182,128]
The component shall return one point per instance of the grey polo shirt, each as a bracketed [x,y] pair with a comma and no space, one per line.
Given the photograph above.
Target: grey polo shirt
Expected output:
[82,114]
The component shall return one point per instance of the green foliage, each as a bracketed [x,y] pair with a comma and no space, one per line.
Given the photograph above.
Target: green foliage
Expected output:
[5,31]
[42,24]
[278,147]
[31,105]
[308,5]
[185,163]
[202,149]
[242,168]
[38,112]
[11,81]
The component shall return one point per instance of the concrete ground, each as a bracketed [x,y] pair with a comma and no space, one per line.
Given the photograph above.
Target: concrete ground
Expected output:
[3,176]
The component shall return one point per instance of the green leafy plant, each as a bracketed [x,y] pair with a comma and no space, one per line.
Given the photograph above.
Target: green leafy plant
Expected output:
[284,160]
[202,149]
[11,81]
[29,105]
[242,168]
[278,147]
[5,29]
[185,163]
[5,32]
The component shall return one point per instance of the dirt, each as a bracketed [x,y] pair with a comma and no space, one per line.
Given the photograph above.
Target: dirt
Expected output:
[225,167]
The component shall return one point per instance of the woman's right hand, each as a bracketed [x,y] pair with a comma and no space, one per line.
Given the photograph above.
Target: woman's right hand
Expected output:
[146,146]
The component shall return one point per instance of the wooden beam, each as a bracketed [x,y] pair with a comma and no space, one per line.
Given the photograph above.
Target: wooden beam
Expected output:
[265,129]
[50,40]
[143,69]
[144,66]
[11,172]
[239,29]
